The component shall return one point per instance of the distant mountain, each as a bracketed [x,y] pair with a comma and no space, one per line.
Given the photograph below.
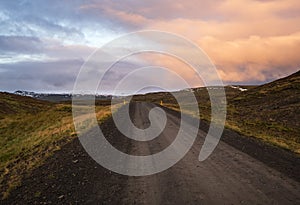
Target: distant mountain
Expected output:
[54,97]
[25,93]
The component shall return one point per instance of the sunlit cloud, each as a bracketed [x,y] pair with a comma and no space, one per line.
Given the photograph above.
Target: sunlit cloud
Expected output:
[249,41]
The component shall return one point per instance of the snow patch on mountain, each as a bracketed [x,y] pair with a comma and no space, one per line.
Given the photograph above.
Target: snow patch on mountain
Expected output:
[239,88]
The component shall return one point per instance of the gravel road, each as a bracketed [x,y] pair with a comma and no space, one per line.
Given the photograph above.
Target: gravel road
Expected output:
[228,176]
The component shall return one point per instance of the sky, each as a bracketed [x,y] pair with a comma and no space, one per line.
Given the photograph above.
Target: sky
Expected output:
[43,44]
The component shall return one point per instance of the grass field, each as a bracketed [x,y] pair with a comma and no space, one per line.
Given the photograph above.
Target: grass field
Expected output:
[30,132]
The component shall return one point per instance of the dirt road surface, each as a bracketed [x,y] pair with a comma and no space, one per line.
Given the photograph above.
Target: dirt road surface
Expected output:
[228,176]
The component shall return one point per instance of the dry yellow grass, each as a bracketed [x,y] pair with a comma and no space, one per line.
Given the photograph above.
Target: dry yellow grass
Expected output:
[27,140]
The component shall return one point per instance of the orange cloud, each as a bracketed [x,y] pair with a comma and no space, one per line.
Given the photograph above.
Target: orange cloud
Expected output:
[254,58]
[256,41]
[248,40]
[172,64]
[131,18]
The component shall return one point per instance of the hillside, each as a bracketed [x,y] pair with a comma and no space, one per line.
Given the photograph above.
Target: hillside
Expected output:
[11,104]
[282,96]
[270,112]
[31,130]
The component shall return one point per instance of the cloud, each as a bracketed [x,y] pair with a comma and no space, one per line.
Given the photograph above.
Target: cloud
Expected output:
[254,58]
[172,64]
[62,20]
[250,41]
[156,9]
[20,44]
[40,76]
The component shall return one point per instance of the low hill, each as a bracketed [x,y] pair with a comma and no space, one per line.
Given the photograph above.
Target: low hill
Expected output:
[280,93]
[270,111]
[31,130]
[11,104]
